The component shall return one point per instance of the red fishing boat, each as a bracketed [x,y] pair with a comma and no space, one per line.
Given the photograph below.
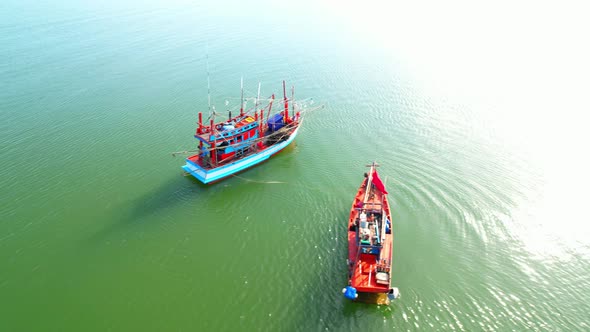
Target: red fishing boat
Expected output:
[370,241]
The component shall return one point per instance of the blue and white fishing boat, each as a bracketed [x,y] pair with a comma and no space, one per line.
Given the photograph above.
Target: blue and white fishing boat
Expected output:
[245,140]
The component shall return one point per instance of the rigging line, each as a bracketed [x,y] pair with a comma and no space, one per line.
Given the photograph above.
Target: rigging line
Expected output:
[299,101]
[302,106]
[234,107]
[284,129]
[255,107]
[174,154]
[256,140]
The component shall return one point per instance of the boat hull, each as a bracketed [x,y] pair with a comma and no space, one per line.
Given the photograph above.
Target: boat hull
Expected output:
[212,175]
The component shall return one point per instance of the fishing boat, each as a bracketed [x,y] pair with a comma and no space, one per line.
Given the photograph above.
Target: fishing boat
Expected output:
[370,243]
[244,140]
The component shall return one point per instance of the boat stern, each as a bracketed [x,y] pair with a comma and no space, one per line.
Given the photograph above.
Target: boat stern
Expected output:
[196,171]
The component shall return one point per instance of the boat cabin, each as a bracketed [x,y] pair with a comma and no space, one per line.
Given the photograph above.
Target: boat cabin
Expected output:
[229,140]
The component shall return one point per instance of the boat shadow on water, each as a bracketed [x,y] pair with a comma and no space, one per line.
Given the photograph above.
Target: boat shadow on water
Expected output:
[143,211]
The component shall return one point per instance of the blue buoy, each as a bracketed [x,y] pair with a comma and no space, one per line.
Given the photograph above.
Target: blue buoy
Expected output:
[350,293]
[393,293]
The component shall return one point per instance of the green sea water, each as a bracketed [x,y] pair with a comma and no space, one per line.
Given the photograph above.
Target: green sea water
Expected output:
[476,113]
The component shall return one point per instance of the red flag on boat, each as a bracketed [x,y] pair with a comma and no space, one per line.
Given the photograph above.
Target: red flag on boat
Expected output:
[378,183]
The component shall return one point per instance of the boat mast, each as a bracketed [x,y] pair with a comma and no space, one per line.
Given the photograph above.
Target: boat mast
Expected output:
[286,118]
[293,99]
[208,84]
[256,112]
[199,129]
[369,179]
[213,151]
[261,125]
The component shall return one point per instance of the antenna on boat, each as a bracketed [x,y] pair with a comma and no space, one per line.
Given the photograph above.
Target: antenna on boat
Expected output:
[242,102]
[257,98]
[208,82]
[272,98]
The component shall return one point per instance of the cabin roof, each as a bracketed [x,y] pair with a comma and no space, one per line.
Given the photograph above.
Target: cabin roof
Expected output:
[227,129]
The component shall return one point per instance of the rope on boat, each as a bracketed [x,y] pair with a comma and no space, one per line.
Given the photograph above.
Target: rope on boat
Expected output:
[254,181]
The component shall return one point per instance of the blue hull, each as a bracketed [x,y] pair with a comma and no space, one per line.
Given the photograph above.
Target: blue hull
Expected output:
[211,175]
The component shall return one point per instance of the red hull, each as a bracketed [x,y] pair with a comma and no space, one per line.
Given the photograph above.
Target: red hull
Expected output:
[370,237]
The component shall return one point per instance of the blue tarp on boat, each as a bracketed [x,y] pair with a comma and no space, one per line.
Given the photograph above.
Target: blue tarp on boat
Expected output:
[276,122]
